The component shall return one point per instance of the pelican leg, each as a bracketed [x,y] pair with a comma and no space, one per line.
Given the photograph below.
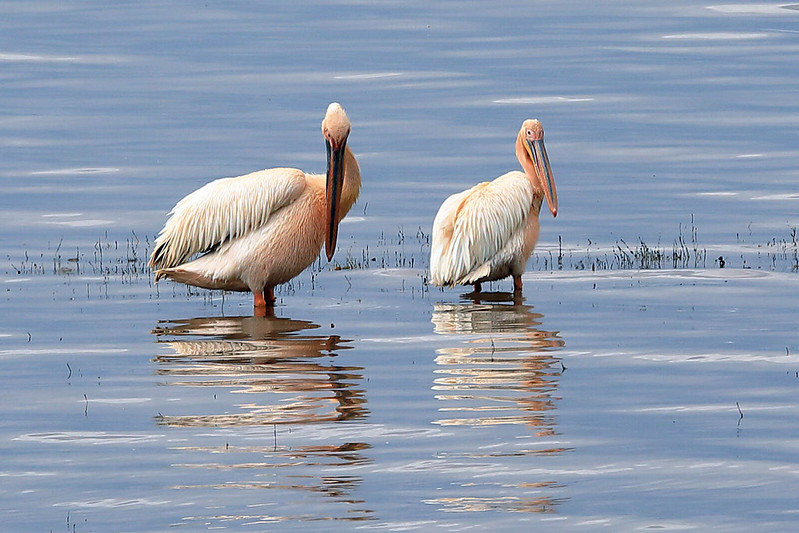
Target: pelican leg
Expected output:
[258,300]
[517,284]
[264,302]
[264,298]
[477,287]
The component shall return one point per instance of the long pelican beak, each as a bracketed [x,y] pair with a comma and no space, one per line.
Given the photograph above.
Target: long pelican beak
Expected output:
[335,181]
[538,153]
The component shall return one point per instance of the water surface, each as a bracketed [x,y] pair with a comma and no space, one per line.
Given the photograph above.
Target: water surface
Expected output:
[635,385]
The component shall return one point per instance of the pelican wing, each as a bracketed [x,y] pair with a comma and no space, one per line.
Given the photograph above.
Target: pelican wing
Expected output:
[473,226]
[223,210]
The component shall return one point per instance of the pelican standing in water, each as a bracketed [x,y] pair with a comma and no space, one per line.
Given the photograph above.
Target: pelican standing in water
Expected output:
[260,230]
[488,232]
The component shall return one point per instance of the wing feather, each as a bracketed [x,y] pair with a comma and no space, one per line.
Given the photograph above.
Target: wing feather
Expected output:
[223,210]
[473,226]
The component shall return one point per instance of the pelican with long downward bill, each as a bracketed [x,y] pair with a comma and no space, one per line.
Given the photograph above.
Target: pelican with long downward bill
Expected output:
[333,186]
[489,231]
[538,153]
[260,230]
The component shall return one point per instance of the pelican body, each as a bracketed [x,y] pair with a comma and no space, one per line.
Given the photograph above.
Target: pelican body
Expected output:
[488,232]
[256,231]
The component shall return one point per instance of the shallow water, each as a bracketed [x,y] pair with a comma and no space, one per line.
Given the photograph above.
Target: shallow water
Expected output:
[635,385]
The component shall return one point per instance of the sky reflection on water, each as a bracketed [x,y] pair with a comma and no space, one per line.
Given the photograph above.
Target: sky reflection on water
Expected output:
[606,399]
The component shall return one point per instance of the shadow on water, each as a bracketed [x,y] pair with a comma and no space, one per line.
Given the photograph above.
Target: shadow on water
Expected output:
[287,377]
[500,371]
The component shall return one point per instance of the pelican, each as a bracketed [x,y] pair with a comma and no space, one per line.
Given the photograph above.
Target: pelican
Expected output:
[488,232]
[259,230]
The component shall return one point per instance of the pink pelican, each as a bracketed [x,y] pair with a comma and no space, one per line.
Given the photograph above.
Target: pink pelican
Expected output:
[259,230]
[488,232]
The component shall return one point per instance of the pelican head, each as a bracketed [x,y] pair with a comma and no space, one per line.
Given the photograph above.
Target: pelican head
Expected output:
[532,155]
[336,129]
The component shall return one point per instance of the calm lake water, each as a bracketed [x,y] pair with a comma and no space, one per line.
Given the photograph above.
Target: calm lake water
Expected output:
[636,385]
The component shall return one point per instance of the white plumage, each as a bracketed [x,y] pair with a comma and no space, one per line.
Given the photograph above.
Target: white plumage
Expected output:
[223,210]
[477,231]
[490,230]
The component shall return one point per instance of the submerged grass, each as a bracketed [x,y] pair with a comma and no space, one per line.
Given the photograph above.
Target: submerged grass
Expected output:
[685,252]
[124,260]
[108,257]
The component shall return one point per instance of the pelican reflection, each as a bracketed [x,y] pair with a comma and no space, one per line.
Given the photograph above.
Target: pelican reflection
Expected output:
[503,368]
[499,371]
[292,374]
[265,373]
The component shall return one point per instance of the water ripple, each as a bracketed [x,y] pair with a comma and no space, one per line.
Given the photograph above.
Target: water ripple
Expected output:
[92,438]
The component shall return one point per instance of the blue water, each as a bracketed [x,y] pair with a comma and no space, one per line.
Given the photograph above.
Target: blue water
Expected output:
[607,398]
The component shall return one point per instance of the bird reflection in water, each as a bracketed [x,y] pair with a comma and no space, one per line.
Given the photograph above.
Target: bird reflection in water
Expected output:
[265,356]
[502,371]
[285,376]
